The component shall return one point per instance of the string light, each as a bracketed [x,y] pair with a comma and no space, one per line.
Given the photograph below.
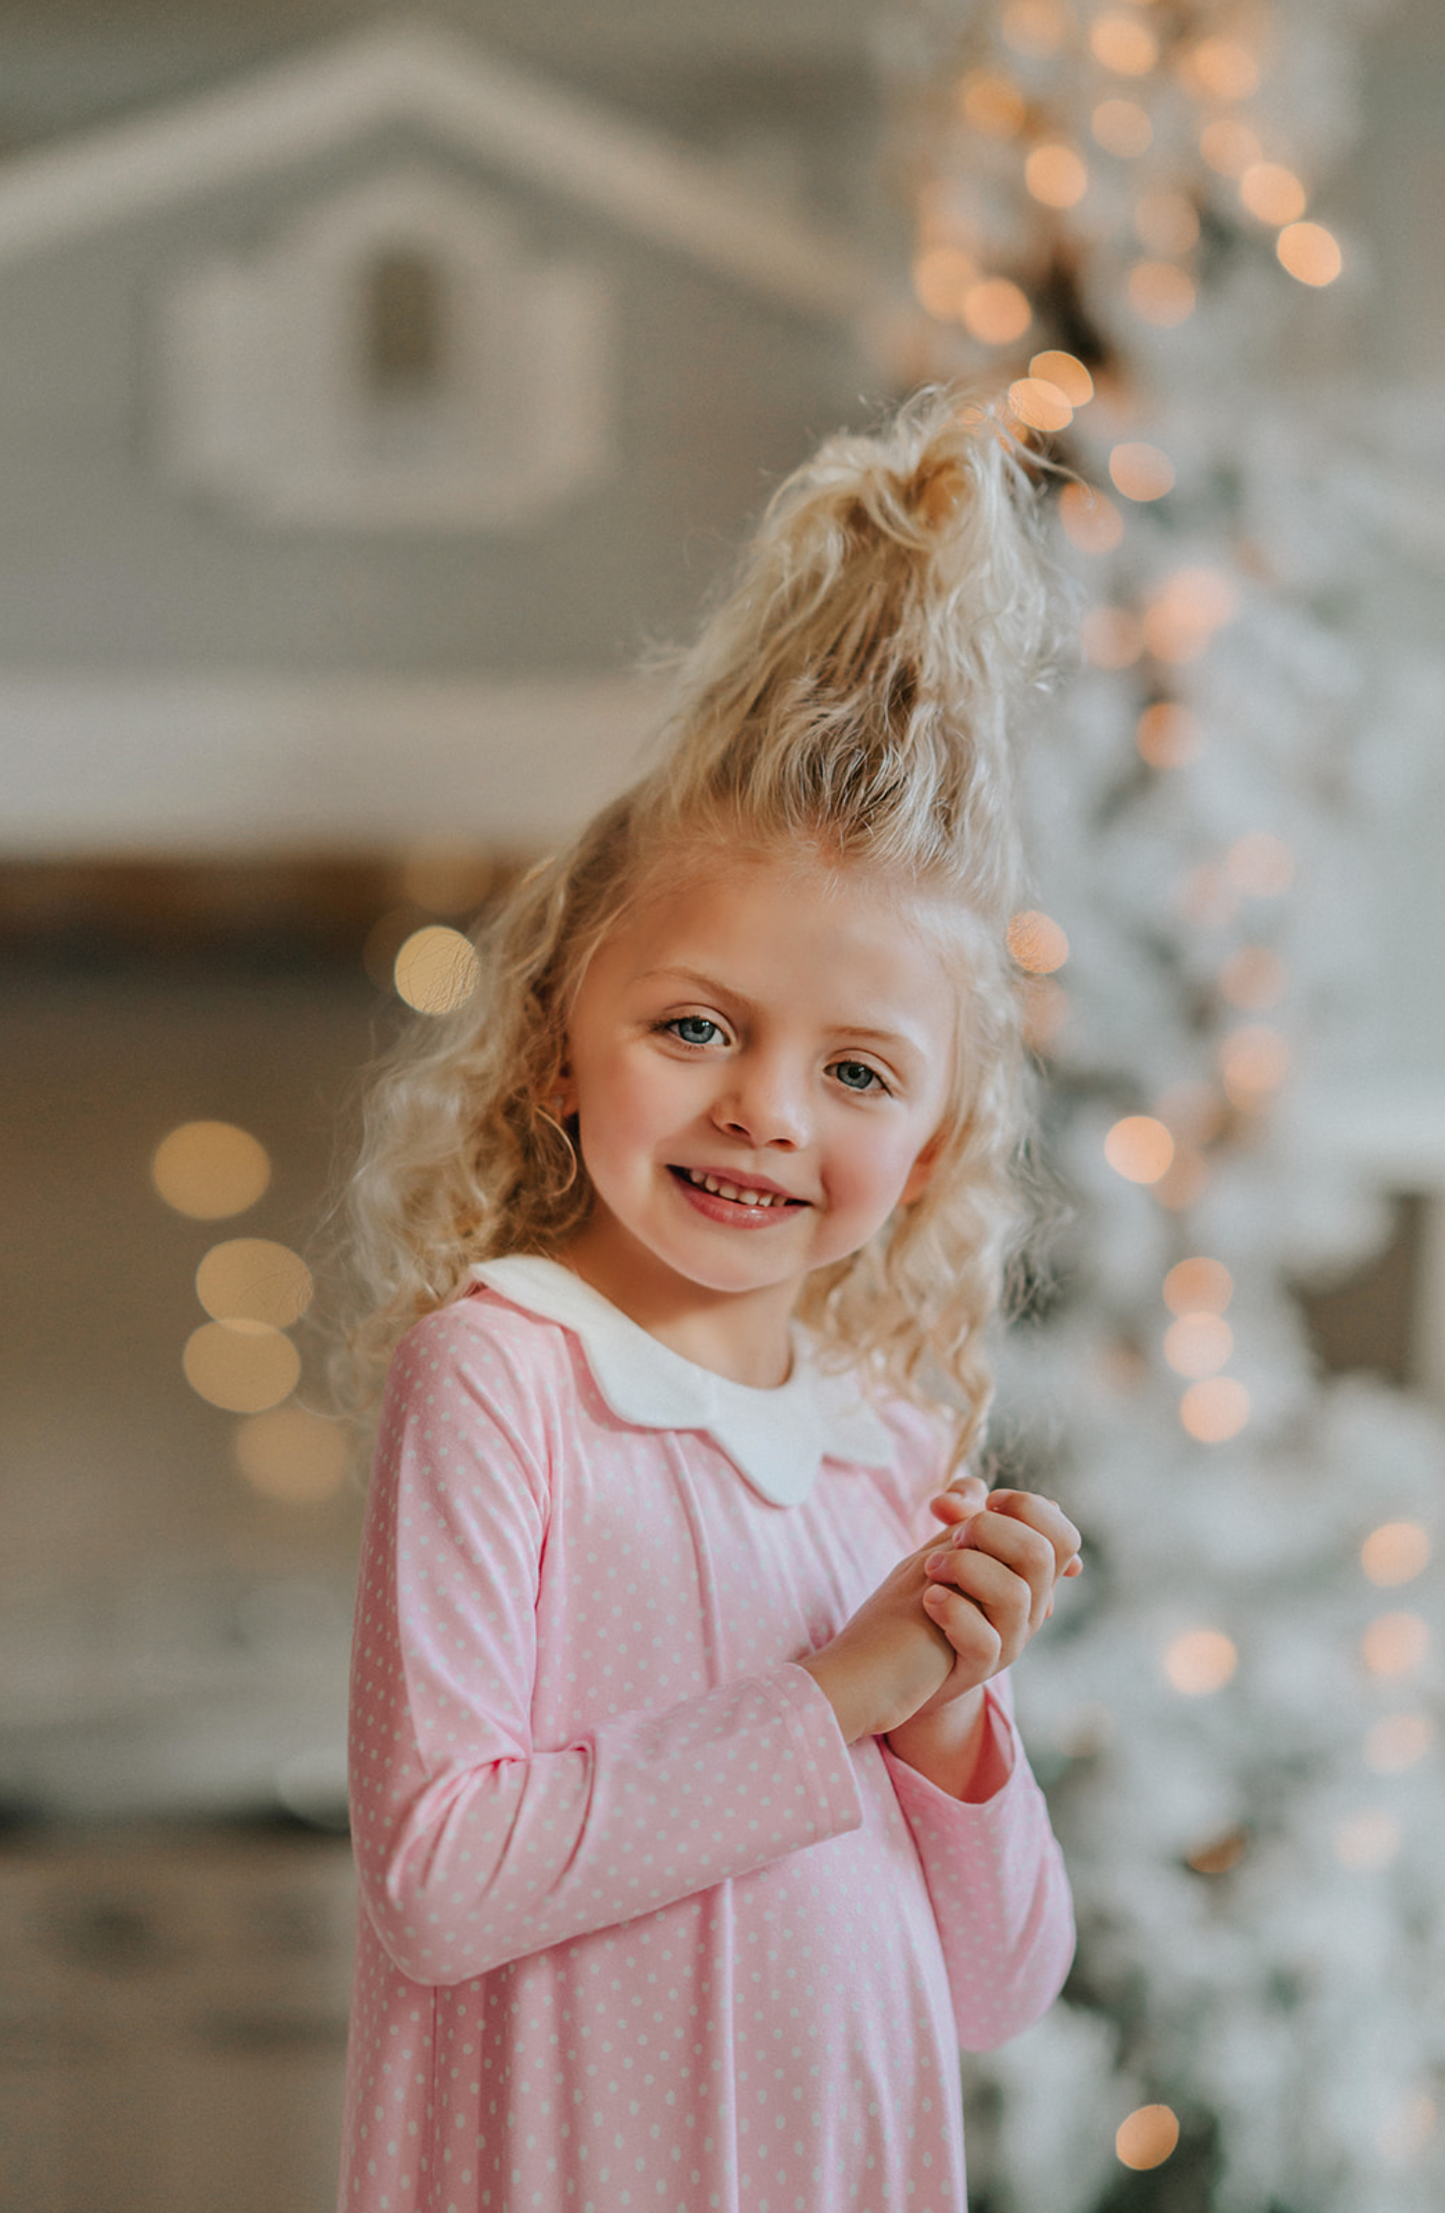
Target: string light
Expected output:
[1214,1410]
[1395,1644]
[1139,1148]
[242,1366]
[292,1455]
[1037,942]
[992,103]
[996,311]
[1198,1286]
[1166,222]
[942,276]
[1122,128]
[1260,864]
[1160,293]
[1253,979]
[1090,519]
[1398,1741]
[1186,611]
[1201,1662]
[1310,253]
[1272,192]
[251,1279]
[1221,69]
[1396,1552]
[1367,1841]
[1111,637]
[1072,378]
[1198,1344]
[1167,735]
[1141,472]
[210,1169]
[436,970]
[1056,176]
[1039,405]
[1124,44]
[1229,146]
[1253,1062]
[1146,2137]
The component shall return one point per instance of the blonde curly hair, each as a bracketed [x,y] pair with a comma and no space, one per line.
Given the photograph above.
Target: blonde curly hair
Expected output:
[851,696]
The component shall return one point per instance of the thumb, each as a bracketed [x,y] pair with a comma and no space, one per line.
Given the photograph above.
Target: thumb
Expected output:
[966,1496]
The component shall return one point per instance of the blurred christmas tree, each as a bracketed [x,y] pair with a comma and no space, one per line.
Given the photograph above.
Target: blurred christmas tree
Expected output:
[1114,208]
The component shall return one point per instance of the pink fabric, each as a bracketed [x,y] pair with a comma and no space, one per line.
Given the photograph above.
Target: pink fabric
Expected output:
[638,1929]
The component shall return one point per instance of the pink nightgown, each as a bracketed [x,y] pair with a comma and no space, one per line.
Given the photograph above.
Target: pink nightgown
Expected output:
[638,1929]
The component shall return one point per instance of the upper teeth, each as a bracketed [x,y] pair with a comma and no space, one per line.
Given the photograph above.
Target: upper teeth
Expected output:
[743,1196]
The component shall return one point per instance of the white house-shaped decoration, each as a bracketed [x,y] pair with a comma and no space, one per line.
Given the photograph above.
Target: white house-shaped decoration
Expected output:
[392,359]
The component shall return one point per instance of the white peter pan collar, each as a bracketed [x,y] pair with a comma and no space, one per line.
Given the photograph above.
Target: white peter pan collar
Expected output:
[778,1438]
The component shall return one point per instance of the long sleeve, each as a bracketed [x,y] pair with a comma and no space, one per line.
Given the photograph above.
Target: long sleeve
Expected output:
[474,1846]
[996,1879]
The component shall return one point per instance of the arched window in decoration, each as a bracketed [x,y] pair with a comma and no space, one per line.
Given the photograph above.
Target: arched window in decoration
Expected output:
[404,327]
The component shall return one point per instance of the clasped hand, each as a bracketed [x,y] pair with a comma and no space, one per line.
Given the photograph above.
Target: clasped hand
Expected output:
[952,1614]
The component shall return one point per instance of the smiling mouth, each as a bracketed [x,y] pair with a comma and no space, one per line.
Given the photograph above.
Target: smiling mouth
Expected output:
[741,1194]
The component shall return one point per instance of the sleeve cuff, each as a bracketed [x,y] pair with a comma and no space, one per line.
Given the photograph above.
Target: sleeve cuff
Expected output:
[824,1760]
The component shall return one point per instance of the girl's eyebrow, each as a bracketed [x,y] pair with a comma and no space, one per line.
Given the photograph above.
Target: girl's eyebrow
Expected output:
[863,1032]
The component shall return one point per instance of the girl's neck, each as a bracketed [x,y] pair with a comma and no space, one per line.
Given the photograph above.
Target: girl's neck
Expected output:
[744,1337]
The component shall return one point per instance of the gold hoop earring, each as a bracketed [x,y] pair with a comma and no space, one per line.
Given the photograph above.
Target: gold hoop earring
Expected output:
[574,1165]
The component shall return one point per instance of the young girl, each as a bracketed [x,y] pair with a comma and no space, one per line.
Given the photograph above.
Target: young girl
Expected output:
[692,1830]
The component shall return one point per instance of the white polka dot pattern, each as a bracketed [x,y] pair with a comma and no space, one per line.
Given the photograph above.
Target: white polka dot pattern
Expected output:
[638,1929]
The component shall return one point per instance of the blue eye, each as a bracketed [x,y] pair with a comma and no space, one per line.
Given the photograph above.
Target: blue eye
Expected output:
[694,1029]
[856,1075]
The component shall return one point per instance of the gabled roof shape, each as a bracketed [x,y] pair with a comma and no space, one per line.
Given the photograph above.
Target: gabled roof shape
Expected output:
[442,83]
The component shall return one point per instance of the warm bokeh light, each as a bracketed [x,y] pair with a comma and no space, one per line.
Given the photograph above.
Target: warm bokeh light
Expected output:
[1090,519]
[1221,68]
[243,1366]
[1260,864]
[1398,1741]
[1147,2137]
[1395,1644]
[1166,222]
[1253,979]
[1186,611]
[1184,1182]
[1111,638]
[1056,176]
[1253,1062]
[1037,942]
[1034,26]
[1396,1552]
[1310,252]
[1201,1661]
[290,1454]
[1141,472]
[995,311]
[1068,373]
[1272,192]
[1039,404]
[251,1279]
[1198,1344]
[1160,293]
[446,879]
[210,1169]
[1229,146]
[1167,735]
[1214,1410]
[992,103]
[1198,1286]
[436,970]
[942,275]
[1221,1853]
[1139,1148]
[1367,1841]
[1124,44]
[1121,127]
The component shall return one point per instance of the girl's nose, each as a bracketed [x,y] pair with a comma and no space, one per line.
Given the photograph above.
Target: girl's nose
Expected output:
[764,1105]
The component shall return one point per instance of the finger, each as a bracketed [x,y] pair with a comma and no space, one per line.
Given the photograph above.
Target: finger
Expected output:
[1006,1601]
[974,1639]
[1021,1551]
[963,1498]
[1050,1521]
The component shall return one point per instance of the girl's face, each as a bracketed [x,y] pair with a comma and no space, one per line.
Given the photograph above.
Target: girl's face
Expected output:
[759,1062]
